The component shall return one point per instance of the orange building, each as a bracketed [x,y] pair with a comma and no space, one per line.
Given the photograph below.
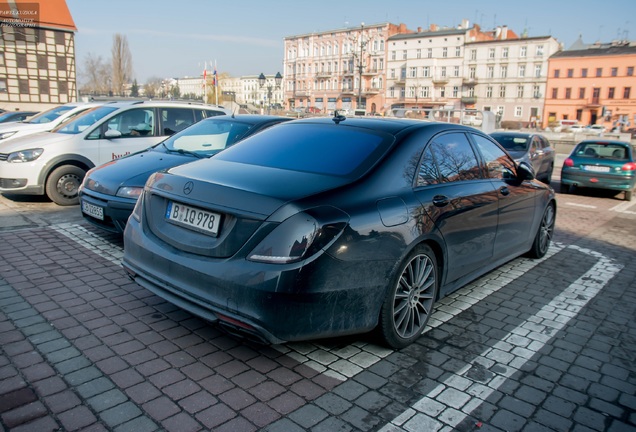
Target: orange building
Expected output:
[37,54]
[593,84]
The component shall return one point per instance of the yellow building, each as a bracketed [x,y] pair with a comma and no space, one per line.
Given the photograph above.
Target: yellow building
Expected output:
[593,84]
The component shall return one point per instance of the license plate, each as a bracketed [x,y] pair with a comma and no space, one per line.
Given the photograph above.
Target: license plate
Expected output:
[93,210]
[595,168]
[193,218]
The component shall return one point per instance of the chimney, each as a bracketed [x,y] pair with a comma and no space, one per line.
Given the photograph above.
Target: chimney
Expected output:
[504,32]
[465,23]
[419,29]
[433,27]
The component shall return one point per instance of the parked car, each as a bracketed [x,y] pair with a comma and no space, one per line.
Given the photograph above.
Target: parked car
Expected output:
[535,149]
[333,226]
[109,192]
[54,163]
[597,129]
[577,128]
[16,116]
[45,121]
[600,164]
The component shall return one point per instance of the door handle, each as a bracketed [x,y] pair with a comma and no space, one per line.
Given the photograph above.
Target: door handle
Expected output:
[504,190]
[440,200]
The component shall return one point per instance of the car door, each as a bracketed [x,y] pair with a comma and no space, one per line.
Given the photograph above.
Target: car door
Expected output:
[127,132]
[516,199]
[460,201]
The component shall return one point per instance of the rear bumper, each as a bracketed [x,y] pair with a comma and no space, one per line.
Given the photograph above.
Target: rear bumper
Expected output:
[598,180]
[268,302]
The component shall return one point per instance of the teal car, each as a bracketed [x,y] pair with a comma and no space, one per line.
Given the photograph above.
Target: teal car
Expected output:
[600,164]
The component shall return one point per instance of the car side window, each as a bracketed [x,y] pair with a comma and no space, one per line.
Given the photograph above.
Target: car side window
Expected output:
[454,158]
[175,119]
[498,163]
[213,113]
[428,173]
[136,122]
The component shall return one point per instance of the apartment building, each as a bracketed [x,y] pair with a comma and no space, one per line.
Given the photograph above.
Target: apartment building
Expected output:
[37,55]
[338,69]
[593,84]
[508,75]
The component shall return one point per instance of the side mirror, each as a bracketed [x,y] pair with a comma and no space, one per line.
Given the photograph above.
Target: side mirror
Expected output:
[112,133]
[525,171]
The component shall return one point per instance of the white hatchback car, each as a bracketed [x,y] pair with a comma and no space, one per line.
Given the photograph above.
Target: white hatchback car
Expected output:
[54,163]
[45,121]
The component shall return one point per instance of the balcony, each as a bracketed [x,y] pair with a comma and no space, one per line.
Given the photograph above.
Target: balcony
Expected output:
[439,81]
[469,100]
[400,80]
[371,72]
[323,74]
[470,81]
[594,102]
[371,90]
[348,91]
[302,93]
[348,73]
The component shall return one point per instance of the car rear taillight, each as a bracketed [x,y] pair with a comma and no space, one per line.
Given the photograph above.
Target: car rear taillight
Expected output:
[568,162]
[300,236]
[629,166]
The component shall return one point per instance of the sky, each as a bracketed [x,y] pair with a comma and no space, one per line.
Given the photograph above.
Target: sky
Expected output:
[175,39]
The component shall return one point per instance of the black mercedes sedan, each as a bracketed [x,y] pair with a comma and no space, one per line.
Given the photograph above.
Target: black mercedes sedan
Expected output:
[324,227]
[109,192]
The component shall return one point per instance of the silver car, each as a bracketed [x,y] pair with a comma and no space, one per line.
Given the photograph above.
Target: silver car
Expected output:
[535,149]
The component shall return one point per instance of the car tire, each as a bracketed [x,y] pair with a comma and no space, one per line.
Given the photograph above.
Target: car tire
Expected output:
[628,195]
[62,185]
[543,238]
[410,299]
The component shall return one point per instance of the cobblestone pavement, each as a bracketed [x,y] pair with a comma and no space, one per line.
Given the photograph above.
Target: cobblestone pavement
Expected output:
[544,345]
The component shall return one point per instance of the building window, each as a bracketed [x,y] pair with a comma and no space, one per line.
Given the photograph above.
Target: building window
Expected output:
[570,73]
[23,86]
[455,91]
[445,52]
[504,71]
[584,72]
[627,92]
[522,71]
[429,53]
[536,92]
[489,92]
[43,62]
[523,52]
[610,93]
[518,111]
[557,72]
[579,114]
[491,53]
[456,71]
[392,74]
[413,72]
[44,86]
[555,92]
[392,92]
[473,54]
[471,92]
[425,92]
[442,92]
[581,92]
[404,55]
[471,72]
[393,55]
[537,71]
[539,50]
[520,91]
[568,93]
[502,91]
[491,72]
[3,86]
[426,71]
[614,71]
[419,53]
[630,71]
[458,51]
[599,72]
[504,53]
[443,72]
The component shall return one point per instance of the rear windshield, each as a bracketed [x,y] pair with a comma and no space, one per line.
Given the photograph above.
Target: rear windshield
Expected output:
[50,115]
[317,148]
[84,120]
[512,143]
[602,151]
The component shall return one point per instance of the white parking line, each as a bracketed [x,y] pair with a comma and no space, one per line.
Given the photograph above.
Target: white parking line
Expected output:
[580,205]
[571,301]
[622,207]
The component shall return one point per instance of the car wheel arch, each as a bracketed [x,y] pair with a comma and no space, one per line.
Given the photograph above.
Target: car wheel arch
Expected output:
[75,160]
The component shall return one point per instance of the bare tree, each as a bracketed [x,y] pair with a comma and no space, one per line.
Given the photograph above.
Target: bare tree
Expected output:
[152,87]
[122,64]
[95,75]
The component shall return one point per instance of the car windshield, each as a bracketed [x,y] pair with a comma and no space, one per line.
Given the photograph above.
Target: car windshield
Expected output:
[511,142]
[50,115]
[207,137]
[602,151]
[84,120]
[317,148]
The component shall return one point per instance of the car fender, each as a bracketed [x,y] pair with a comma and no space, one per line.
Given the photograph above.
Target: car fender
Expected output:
[66,159]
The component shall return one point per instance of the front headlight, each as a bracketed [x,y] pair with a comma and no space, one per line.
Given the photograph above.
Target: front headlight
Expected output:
[4,135]
[25,155]
[129,192]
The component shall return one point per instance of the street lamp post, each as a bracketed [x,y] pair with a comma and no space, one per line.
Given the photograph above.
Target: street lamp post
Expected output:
[360,66]
[270,88]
